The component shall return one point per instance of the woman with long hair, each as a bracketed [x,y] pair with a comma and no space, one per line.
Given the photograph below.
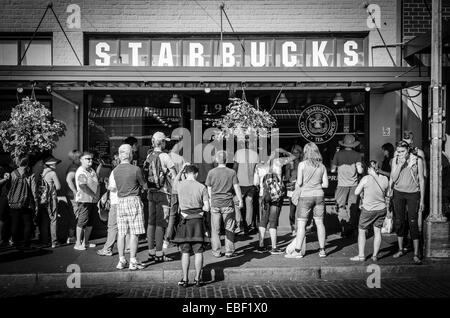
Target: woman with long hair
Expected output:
[388,151]
[312,178]
[408,186]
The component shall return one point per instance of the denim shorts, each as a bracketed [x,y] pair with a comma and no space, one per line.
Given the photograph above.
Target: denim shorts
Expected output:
[308,204]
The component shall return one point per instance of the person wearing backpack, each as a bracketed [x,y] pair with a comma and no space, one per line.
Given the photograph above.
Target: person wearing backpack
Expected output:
[48,201]
[312,178]
[407,188]
[159,170]
[373,187]
[268,179]
[23,203]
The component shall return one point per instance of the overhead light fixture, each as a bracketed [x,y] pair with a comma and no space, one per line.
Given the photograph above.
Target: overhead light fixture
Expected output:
[175,99]
[108,99]
[207,90]
[338,99]
[282,99]
[20,90]
[367,88]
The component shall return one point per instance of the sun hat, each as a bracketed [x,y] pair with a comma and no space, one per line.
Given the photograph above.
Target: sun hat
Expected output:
[51,160]
[160,136]
[349,141]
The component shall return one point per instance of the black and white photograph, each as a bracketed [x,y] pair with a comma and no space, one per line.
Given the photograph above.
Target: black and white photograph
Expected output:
[228,156]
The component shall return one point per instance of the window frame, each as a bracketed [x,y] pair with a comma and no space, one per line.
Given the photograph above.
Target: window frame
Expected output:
[26,37]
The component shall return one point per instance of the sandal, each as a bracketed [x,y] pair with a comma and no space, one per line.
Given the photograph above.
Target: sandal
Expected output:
[183,283]
[374,258]
[417,260]
[198,283]
[358,258]
[399,254]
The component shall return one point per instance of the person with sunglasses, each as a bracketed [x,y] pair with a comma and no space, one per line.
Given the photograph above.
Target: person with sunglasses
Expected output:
[407,187]
[87,196]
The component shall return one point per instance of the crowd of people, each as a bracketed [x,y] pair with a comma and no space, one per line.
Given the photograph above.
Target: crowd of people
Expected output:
[192,204]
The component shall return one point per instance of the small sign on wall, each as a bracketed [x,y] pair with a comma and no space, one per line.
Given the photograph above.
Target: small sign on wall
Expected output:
[386,131]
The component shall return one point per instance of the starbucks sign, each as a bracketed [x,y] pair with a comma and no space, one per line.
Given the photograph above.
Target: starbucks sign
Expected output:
[317,123]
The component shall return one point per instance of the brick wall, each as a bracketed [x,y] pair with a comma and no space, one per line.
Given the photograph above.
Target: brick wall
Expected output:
[416,18]
[166,16]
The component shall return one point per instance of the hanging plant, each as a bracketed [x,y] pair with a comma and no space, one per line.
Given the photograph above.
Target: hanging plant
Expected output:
[30,130]
[242,119]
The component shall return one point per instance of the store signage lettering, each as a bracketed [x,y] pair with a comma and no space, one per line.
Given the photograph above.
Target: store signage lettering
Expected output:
[317,123]
[207,53]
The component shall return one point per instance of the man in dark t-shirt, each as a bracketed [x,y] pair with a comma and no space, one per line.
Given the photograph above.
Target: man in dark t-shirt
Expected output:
[346,162]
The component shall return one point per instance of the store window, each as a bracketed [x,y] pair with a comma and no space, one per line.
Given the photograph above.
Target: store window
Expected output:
[129,115]
[258,53]
[320,52]
[135,52]
[166,53]
[39,52]
[231,55]
[289,53]
[197,53]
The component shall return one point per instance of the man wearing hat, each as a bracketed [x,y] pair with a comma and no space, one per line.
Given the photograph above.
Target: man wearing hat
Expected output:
[48,213]
[159,197]
[345,162]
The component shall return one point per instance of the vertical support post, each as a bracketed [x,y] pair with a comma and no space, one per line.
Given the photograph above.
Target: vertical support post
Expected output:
[437,242]
[436,112]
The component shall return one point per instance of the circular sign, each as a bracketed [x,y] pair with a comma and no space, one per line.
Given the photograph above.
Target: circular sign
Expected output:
[317,123]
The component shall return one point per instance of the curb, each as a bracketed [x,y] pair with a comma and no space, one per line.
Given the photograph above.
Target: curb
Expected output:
[363,271]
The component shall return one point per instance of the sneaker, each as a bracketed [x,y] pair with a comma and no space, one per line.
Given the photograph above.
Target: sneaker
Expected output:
[294,255]
[218,255]
[90,245]
[151,258]
[122,264]
[55,245]
[71,240]
[322,253]
[276,251]
[261,249]
[136,265]
[230,255]
[103,252]
[79,247]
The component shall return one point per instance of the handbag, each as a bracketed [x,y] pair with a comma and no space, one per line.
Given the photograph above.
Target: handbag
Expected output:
[388,225]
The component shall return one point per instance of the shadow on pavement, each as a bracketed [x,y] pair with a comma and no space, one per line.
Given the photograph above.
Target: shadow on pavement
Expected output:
[14,254]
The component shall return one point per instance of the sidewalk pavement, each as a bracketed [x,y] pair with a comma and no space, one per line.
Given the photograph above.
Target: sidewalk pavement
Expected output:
[42,266]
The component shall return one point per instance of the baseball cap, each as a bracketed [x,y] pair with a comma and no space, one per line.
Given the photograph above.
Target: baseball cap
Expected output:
[125,149]
[407,136]
[160,136]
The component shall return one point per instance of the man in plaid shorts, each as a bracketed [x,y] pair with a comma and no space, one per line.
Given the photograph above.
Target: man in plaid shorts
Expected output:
[130,216]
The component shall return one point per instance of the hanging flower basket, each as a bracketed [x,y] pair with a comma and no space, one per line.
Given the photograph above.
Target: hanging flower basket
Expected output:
[243,119]
[30,130]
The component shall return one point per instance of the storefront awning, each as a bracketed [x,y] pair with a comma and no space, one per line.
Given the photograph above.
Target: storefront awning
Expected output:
[186,78]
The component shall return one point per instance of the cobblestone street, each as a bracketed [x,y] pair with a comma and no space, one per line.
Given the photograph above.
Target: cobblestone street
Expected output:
[391,288]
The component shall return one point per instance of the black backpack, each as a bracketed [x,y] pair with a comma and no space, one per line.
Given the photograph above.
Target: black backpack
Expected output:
[154,172]
[19,195]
